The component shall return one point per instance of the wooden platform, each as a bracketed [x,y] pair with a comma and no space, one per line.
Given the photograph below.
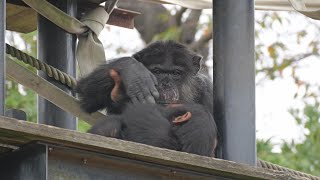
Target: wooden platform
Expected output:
[67,153]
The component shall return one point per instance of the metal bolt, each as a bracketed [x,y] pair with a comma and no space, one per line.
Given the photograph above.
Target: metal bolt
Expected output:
[173,172]
[50,149]
[84,160]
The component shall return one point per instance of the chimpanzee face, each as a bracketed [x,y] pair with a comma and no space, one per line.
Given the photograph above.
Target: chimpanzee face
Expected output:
[173,65]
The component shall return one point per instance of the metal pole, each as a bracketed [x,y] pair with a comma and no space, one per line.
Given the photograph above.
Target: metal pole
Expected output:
[2,56]
[57,48]
[235,78]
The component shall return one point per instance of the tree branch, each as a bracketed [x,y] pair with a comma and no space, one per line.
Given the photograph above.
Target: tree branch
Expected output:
[153,20]
[178,16]
[286,64]
[204,39]
[189,28]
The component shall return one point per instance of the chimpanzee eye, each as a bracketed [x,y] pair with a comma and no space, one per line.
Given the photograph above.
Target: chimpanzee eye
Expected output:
[156,71]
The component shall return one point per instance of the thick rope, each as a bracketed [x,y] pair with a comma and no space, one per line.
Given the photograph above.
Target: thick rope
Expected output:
[49,70]
[268,165]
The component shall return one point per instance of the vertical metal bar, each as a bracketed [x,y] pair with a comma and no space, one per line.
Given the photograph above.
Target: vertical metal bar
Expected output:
[235,78]
[2,56]
[17,114]
[57,48]
[28,162]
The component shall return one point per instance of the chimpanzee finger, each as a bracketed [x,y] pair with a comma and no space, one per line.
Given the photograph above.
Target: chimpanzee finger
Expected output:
[134,100]
[141,98]
[153,89]
[154,79]
[154,92]
[150,99]
[115,93]
[149,87]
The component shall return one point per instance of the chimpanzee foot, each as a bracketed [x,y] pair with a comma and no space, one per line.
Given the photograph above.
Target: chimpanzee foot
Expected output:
[183,118]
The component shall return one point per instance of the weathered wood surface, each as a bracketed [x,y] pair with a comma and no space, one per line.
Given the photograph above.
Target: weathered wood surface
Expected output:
[20,18]
[16,132]
[48,91]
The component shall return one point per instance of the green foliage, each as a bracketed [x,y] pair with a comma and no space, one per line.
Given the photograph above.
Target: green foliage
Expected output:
[173,33]
[83,126]
[17,96]
[302,156]
[17,100]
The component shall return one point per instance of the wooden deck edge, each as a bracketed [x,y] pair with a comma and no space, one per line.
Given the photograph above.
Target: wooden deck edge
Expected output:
[24,132]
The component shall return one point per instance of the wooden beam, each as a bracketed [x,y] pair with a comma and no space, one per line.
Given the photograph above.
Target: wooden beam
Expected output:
[14,132]
[48,91]
[21,18]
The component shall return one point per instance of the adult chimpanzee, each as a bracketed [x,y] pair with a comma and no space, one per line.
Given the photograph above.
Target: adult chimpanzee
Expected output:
[157,97]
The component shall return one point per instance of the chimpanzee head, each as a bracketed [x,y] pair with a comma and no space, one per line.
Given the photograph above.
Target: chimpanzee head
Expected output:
[175,68]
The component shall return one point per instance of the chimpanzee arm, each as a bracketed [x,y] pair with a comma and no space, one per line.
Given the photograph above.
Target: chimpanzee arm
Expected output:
[95,90]
[109,127]
[198,135]
[145,123]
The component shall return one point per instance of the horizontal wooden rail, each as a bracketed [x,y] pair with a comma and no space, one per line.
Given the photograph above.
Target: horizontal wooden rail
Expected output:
[48,91]
[17,132]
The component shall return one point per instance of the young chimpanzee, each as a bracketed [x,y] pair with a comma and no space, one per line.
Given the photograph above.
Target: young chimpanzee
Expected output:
[157,97]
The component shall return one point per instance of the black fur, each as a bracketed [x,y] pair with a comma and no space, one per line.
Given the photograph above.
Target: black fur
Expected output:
[165,72]
[152,125]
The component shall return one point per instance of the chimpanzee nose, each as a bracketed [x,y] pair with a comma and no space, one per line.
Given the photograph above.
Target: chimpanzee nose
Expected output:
[166,83]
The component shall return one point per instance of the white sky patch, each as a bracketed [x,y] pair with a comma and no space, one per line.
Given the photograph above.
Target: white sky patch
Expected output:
[275,98]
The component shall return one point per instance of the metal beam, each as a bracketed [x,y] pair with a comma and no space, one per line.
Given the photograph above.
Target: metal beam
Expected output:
[283,5]
[2,56]
[28,162]
[235,78]
[57,48]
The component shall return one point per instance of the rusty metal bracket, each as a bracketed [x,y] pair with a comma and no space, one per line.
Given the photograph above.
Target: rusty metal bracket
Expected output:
[110,5]
[123,18]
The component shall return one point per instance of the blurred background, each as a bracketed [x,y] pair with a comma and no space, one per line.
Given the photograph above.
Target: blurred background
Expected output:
[287,73]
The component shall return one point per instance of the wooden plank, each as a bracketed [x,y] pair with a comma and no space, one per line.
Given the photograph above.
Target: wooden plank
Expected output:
[81,164]
[48,91]
[20,18]
[31,131]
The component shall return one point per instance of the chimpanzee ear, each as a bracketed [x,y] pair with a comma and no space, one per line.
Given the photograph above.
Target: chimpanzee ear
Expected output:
[196,60]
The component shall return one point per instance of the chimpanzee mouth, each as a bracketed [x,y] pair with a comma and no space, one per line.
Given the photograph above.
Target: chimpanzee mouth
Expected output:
[168,96]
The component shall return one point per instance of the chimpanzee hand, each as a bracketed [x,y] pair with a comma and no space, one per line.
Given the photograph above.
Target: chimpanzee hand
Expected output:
[109,127]
[139,83]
